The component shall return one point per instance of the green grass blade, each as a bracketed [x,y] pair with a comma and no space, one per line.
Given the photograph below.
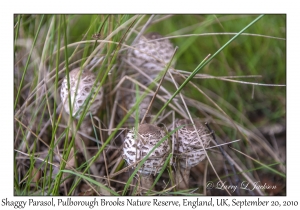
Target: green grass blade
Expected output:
[92,181]
[27,62]
[203,63]
[166,163]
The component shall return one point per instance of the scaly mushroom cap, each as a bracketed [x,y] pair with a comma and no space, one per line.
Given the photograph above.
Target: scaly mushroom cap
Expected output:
[85,84]
[137,148]
[188,146]
[151,55]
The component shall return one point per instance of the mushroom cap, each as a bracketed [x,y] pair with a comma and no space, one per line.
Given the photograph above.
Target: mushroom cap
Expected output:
[188,146]
[137,147]
[85,82]
[151,55]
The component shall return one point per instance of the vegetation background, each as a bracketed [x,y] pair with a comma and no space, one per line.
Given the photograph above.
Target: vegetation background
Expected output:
[242,80]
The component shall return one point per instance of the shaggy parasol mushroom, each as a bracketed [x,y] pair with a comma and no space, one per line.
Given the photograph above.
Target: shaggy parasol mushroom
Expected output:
[150,54]
[138,145]
[83,87]
[80,89]
[189,148]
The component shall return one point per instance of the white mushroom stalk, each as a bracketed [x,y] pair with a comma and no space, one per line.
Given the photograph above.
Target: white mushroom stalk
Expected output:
[189,149]
[138,145]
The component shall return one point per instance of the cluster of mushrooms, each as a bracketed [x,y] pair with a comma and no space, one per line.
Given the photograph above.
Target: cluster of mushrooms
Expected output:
[151,141]
[147,143]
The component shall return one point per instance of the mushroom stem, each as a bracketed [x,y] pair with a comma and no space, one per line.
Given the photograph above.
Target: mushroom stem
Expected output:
[86,128]
[182,178]
[146,182]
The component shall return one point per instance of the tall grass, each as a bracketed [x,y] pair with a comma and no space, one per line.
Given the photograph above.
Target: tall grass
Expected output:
[239,89]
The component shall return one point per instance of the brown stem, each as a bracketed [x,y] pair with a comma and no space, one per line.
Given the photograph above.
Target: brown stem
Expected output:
[86,128]
[182,178]
[146,182]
